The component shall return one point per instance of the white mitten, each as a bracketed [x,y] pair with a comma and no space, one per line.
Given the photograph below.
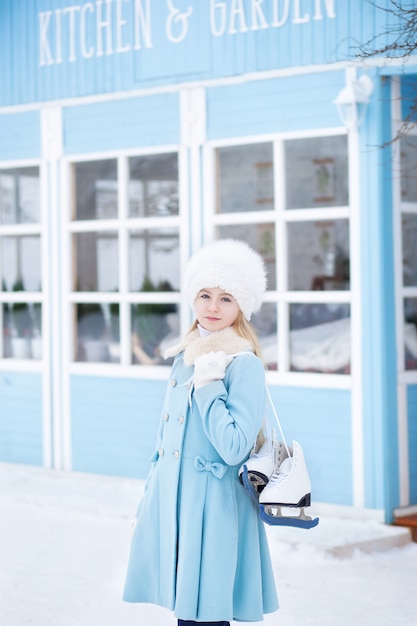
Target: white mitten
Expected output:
[209,368]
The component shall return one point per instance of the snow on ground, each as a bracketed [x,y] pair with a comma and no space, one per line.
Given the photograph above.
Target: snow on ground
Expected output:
[65,540]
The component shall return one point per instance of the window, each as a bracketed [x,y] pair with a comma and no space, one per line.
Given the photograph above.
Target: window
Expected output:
[125,258]
[408,163]
[289,200]
[20,263]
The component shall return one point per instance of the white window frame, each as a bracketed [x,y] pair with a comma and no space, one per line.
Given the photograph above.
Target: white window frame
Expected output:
[280,217]
[122,225]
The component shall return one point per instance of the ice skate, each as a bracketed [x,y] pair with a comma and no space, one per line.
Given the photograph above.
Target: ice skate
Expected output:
[289,488]
[258,469]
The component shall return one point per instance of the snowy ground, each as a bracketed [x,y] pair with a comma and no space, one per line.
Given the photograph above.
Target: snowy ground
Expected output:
[64,545]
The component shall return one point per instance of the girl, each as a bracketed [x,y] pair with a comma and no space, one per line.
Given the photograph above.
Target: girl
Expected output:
[199,547]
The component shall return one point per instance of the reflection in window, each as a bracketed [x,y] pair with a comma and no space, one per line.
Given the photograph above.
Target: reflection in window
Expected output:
[154,259]
[260,237]
[410,333]
[245,178]
[153,185]
[97,336]
[21,263]
[320,337]
[22,330]
[19,195]
[409,247]
[318,255]
[155,326]
[408,148]
[96,261]
[95,190]
[265,323]
[316,172]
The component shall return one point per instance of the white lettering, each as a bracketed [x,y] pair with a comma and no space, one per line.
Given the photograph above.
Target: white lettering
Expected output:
[104,24]
[175,17]
[276,21]
[258,13]
[214,7]
[87,53]
[297,17]
[58,36]
[120,23]
[143,24]
[237,10]
[329,9]
[71,34]
[45,51]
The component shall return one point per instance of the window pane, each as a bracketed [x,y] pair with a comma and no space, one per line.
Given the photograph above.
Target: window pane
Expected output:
[408,147]
[153,185]
[95,190]
[19,195]
[155,326]
[154,261]
[260,237]
[316,172]
[22,330]
[409,244]
[320,337]
[265,323]
[410,333]
[318,255]
[21,263]
[245,178]
[96,333]
[96,261]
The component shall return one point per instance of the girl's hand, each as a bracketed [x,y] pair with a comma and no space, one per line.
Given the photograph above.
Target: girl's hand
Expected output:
[210,367]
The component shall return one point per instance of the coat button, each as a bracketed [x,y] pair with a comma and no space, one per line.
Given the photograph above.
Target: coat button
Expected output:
[160,452]
[166,417]
[181,419]
[173,382]
[177,454]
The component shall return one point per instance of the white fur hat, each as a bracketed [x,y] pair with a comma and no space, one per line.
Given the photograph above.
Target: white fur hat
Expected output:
[230,265]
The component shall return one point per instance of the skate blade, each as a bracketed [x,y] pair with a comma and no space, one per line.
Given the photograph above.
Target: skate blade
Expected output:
[273,517]
[250,486]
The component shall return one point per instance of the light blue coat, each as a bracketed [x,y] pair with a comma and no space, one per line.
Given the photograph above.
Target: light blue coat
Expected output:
[199,547]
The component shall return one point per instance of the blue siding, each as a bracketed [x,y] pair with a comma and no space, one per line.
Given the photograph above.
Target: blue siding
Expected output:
[20,136]
[268,106]
[408,96]
[114,424]
[412,440]
[37,65]
[122,124]
[378,302]
[319,419]
[21,418]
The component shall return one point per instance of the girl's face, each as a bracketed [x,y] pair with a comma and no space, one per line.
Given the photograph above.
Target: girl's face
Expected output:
[215,309]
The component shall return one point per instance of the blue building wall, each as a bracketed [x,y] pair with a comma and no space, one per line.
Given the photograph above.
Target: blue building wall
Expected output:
[114,424]
[21,410]
[122,124]
[77,49]
[20,135]
[412,439]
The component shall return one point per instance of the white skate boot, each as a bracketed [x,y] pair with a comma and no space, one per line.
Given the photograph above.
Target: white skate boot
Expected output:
[258,469]
[288,487]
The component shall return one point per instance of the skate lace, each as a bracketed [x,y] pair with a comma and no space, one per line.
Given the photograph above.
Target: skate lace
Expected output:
[278,477]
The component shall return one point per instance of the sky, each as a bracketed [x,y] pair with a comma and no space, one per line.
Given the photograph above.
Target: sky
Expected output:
[65,542]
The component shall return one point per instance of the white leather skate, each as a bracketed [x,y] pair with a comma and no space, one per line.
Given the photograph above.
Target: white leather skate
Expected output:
[258,469]
[289,487]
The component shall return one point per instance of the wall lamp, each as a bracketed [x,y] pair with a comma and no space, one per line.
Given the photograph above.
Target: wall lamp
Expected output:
[353,99]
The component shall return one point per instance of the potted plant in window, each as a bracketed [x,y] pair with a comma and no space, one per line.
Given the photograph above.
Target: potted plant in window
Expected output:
[150,324]
[91,332]
[22,325]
